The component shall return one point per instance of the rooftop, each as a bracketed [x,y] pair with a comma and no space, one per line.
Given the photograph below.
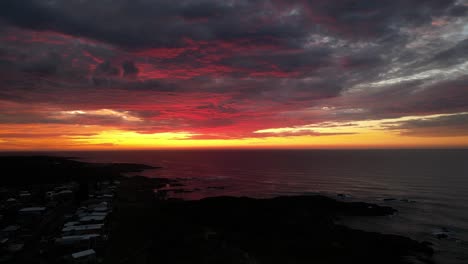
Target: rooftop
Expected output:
[82,227]
[73,239]
[32,209]
[92,218]
[85,253]
[11,228]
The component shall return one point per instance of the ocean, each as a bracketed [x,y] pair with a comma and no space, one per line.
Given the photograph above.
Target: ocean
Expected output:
[429,188]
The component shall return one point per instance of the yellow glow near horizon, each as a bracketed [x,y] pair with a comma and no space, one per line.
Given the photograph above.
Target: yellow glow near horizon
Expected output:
[131,138]
[126,139]
[118,139]
[362,134]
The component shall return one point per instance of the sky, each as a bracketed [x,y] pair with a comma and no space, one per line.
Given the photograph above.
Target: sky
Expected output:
[148,74]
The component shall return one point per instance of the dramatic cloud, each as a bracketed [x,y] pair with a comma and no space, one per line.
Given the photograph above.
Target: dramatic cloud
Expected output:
[234,70]
[453,125]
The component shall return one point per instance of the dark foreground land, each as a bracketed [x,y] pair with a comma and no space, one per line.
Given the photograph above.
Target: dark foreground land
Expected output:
[145,226]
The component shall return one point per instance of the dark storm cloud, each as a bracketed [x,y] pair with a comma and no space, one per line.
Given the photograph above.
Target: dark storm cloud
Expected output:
[143,23]
[314,59]
[132,24]
[367,18]
[452,125]
[362,61]
[46,65]
[458,11]
[129,68]
[411,98]
[107,68]
[453,55]
[204,10]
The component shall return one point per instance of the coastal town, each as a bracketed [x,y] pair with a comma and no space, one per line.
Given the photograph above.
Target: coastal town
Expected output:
[55,223]
[57,210]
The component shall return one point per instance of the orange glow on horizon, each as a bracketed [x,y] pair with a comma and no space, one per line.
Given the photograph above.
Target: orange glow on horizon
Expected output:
[79,137]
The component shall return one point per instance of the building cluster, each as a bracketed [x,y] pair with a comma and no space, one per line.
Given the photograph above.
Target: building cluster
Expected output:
[55,222]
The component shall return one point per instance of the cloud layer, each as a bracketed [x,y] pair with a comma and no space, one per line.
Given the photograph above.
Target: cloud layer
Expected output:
[227,69]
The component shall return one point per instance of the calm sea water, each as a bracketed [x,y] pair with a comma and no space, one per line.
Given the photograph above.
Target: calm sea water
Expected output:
[430,187]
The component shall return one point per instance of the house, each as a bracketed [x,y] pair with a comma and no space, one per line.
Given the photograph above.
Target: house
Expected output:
[93,219]
[82,229]
[72,223]
[79,241]
[3,246]
[11,200]
[13,248]
[32,211]
[86,256]
[25,196]
[11,228]
[10,231]
[31,215]
[98,213]
[61,193]
[64,195]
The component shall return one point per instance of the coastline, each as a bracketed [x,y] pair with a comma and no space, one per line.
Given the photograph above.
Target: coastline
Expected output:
[150,226]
